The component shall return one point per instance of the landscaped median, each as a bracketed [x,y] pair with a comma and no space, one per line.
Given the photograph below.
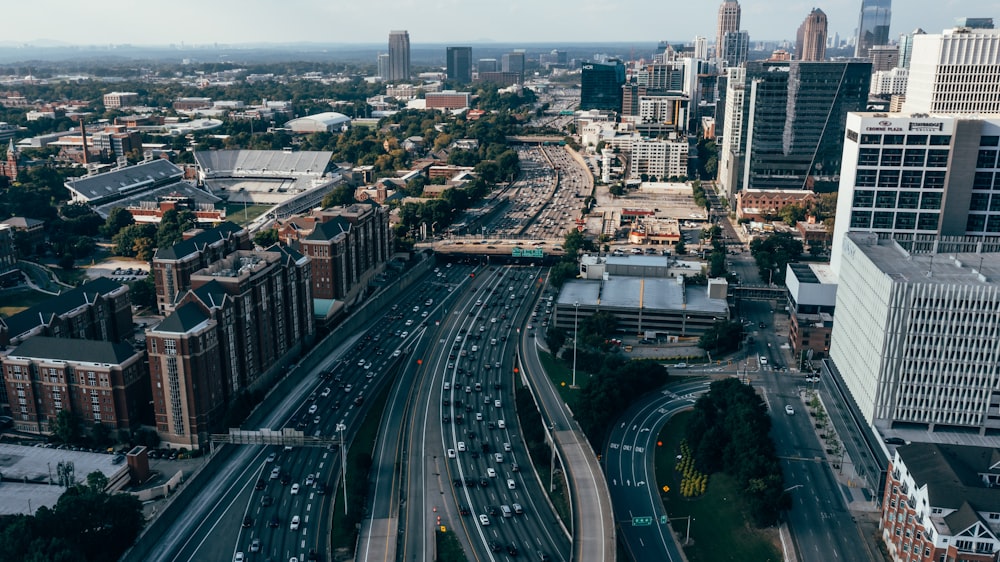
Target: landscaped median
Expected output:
[714,517]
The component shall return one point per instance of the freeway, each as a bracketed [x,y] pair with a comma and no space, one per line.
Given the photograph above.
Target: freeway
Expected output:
[471,468]
[628,464]
[243,508]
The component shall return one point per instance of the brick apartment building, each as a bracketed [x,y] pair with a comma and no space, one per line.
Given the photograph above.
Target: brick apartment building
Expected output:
[99,381]
[941,503]
[173,266]
[241,315]
[347,244]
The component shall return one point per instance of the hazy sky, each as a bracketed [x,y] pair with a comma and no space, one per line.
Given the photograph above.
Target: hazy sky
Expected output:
[442,21]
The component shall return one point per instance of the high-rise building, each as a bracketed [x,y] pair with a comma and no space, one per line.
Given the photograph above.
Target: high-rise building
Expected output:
[728,22]
[914,177]
[915,335]
[487,65]
[884,57]
[792,120]
[811,41]
[459,65]
[732,130]
[514,63]
[601,85]
[399,56]
[383,66]
[906,47]
[974,23]
[735,48]
[347,245]
[700,45]
[887,83]
[955,72]
[873,26]
[174,265]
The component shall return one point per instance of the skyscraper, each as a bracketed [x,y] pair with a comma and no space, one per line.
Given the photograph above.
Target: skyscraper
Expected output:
[906,47]
[954,72]
[700,47]
[513,62]
[811,43]
[735,47]
[383,66]
[790,120]
[601,85]
[873,26]
[399,56]
[460,64]
[729,21]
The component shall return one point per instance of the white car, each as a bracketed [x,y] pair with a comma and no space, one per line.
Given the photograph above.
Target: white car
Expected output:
[789,410]
[396,353]
[484,520]
[238,557]
[326,392]
[502,424]
[510,484]
[763,360]
[491,473]
[294,524]
[451,453]
[461,446]
[313,408]
[295,489]
[271,457]
[310,480]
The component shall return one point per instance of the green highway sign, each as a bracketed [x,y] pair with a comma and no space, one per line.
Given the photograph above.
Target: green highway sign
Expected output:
[642,521]
[517,252]
[663,520]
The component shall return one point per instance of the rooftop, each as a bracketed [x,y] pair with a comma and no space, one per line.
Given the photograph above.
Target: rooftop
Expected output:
[634,292]
[82,351]
[112,184]
[966,269]
[43,312]
[250,163]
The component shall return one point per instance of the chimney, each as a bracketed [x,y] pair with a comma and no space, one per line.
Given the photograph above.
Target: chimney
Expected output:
[83,135]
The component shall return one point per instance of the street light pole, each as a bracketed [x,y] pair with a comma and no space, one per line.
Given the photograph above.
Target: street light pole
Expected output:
[343,461]
[576,318]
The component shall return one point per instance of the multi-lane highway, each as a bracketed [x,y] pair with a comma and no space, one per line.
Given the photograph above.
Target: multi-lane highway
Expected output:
[472,469]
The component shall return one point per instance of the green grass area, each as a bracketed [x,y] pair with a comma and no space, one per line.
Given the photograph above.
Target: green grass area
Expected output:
[449,549]
[235,212]
[717,518]
[362,446]
[561,375]
[12,303]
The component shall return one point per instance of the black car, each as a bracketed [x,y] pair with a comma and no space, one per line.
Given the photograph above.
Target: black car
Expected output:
[484,482]
[512,549]
[458,482]
[266,500]
[274,522]
[495,546]
[261,484]
[492,510]
[320,488]
[285,478]
[464,510]
[247,521]
[895,441]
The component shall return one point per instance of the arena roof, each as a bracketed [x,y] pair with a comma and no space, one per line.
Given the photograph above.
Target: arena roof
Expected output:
[328,121]
[146,175]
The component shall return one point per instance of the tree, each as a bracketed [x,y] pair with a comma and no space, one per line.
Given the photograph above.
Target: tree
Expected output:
[679,248]
[125,241]
[66,427]
[774,253]
[97,481]
[66,261]
[100,434]
[117,219]
[266,238]
[555,338]
[143,291]
[723,337]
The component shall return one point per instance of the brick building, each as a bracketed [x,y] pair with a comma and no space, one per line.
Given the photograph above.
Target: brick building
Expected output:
[173,266]
[241,316]
[942,503]
[99,381]
[347,244]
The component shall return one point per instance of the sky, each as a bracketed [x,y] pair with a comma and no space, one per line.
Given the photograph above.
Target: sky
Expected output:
[203,22]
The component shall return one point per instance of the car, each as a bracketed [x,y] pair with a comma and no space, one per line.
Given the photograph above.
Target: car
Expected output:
[506,447]
[404,334]
[451,453]
[293,525]
[464,510]
[789,410]
[239,557]
[295,489]
[894,441]
[496,403]
[512,549]
[518,509]
[271,457]
[275,472]
[316,420]
[255,545]
[368,366]
[266,500]
[310,479]
[461,446]
[514,467]
[681,366]
[326,392]
[492,473]
[762,325]
[498,457]
[274,522]
[348,388]
[396,353]
[484,520]
[495,546]
[502,424]
[312,409]
[320,488]
[247,522]
[510,484]
[260,485]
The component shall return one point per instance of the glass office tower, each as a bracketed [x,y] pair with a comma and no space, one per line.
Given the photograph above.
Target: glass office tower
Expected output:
[873,26]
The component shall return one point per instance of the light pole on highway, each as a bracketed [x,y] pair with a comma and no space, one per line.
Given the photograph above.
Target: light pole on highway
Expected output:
[343,461]
[576,318]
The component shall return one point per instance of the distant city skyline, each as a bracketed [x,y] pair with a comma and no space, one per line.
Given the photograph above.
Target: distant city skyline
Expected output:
[445,21]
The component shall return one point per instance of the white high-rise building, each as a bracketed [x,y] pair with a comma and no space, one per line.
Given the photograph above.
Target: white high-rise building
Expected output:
[915,338]
[732,130]
[889,82]
[914,178]
[956,71]
[700,47]
[661,159]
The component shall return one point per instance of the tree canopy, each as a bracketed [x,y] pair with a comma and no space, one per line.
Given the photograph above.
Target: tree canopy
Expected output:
[774,253]
[729,432]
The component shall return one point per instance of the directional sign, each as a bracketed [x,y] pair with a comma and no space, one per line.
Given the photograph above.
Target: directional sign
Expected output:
[663,520]
[642,521]
[518,252]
